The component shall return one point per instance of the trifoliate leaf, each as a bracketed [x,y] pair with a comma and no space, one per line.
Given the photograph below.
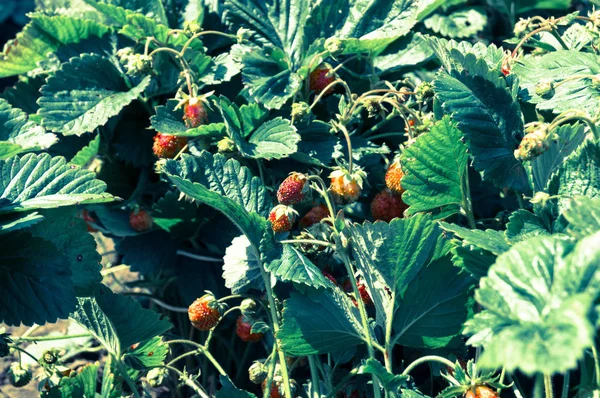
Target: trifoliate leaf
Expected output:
[35,281]
[40,182]
[436,171]
[241,270]
[326,321]
[84,94]
[43,35]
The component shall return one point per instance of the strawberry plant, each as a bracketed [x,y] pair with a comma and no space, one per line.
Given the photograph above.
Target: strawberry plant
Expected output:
[300,198]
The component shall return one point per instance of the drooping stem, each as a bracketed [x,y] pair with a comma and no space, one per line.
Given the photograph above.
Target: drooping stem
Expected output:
[344,131]
[270,373]
[16,348]
[307,241]
[51,338]
[427,358]
[323,192]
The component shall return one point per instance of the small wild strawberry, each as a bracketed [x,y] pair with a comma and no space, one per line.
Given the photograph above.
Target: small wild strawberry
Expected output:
[387,206]
[205,312]
[346,187]
[140,220]
[89,220]
[364,294]
[293,189]
[393,178]
[244,330]
[506,65]
[282,218]
[314,216]
[481,392]
[275,386]
[320,79]
[167,146]
[329,276]
[194,113]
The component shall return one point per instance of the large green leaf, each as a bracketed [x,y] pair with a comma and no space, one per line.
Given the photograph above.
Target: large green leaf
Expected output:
[490,119]
[583,216]
[148,354]
[273,139]
[406,52]
[40,181]
[557,66]
[241,268]
[452,54]
[42,35]
[16,221]
[490,240]
[35,281]
[118,321]
[459,24]
[82,385]
[294,267]
[226,186]
[436,171]
[434,306]
[15,129]
[537,298]
[84,94]
[326,321]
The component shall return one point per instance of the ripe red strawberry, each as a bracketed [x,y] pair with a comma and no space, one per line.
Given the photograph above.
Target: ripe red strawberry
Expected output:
[205,312]
[319,79]
[329,276]
[292,189]
[346,187]
[167,146]
[243,330]
[275,384]
[481,392]
[506,65]
[314,216]
[85,216]
[393,178]
[282,218]
[140,220]
[387,206]
[194,113]
[364,294]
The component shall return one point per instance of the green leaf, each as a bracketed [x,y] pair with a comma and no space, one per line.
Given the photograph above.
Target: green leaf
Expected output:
[489,118]
[436,171]
[523,224]
[434,306]
[147,253]
[43,35]
[226,186]
[241,270]
[557,66]
[490,240]
[406,52]
[317,144]
[14,222]
[118,321]
[230,391]
[150,8]
[459,24]
[84,94]
[273,139]
[542,167]
[39,182]
[325,322]
[475,260]
[167,120]
[148,354]
[294,267]
[178,217]
[537,298]
[69,235]
[583,216]
[87,153]
[17,134]
[35,281]
[389,381]
[82,385]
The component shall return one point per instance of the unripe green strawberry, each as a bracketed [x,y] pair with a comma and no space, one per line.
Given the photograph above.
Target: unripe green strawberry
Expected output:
[244,330]
[205,312]
[320,79]
[314,216]
[257,372]
[50,357]
[346,187]
[140,220]
[293,189]
[19,375]
[282,218]
[167,146]
[393,178]
[194,113]
[387,206]
[534,143]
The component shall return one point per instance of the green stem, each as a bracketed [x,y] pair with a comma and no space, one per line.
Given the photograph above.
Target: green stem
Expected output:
[52,338]
[596,365]
[128,380]
[548,386]
[591,124]
[467,204]
[388,334]
[342,383]
[270,373]
[385,135]
[314,376]
[427,358]
[344,131]
[559,39]
[201,348]
[187,380]
[324,194]
[565,388]
[380,124]
[14,347]
[308,241]
[212,359]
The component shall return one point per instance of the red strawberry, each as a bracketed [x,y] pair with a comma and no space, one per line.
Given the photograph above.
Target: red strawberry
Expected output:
[282,218]
[329,276]
[275,384]
[205,312]
[140,220]
[243,330]
[85,216]
[167,146]
[319,79]
[481,392]
[346,187]
[364,294]
[292,189]
[393,178]
[506,65]
[314,216]
[194,113]
[386,206]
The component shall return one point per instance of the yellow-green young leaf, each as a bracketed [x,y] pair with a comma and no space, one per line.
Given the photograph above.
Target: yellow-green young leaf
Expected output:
[537,300]
[39,182]
[42,35]
[436,171]
[84,94]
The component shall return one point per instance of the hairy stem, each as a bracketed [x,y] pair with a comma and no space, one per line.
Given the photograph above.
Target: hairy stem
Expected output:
[427,358]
